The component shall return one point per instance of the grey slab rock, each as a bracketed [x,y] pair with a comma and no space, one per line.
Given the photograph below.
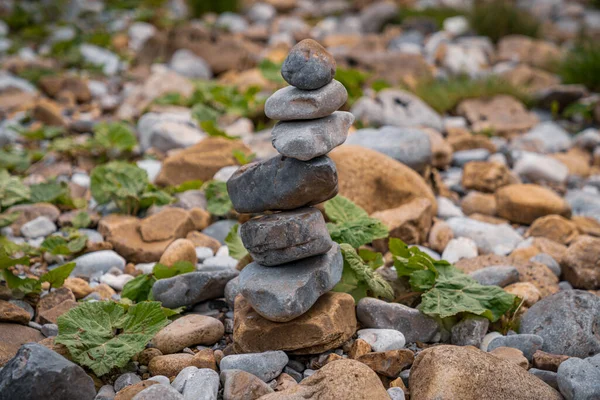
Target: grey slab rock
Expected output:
[564,285]
[291,103]
[191,199]
[266,366]
[548,261]
[284,293]
[192,288]
[496,275]
[549,377]
[188,64]
[490,238]
[410,146]
[127,379]
[182,377]
[414,325]
[163,380]
[294,374]
[579,380]
[106,392]
[469,331]
[97,262]
[527,343]
[287,236]
[396,393]
[382,339]
[308,66]
[219,229]
[158,392]
[547,137]
[587,139]
[37,372]
[49,330]
[584,203]
[305,140]
[460,158]
[168,130]
[39,227]
[202,385]
[232,289]
[25,306]
[568,322]
[282,183]
[536,167]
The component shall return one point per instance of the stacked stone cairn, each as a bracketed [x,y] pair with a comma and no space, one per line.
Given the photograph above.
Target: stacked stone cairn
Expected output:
[295,260]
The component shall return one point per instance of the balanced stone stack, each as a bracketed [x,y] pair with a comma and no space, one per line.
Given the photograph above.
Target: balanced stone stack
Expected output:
[295,260]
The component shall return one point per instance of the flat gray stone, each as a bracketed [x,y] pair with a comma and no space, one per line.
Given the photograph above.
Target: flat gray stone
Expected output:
[308,66]
[527,343]
[266,366]
[219,229]
[579,380]
[414,325]
[550,377]
[97,262]
[287,236]
[282,183]
[496,275]
[584,203]
[39,227]
[197,384]
[192,288]
[469,331]
[305,140]
[232,289]
[158,392]
[568,322]
[410,146]
[127,379]
[291,103]
[106,392]
[382,339]
[284,293]
[490,238]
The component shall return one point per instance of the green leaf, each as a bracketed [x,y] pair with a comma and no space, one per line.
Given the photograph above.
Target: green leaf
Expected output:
[57,276]
[341,209]
[185,186]
[47,192]
[118,180]
[24,285]
[217,198]
[12,190]
[202,112]
[153,195]
[359,280]
[210,127]
[139,288]
[372,258]
[234,243]
[59,245]
[8,219]
[358,232]
[103,336]
[15,160]
[169,312]
[43,133]
[162,271]
[7,262]
[114,135]
[242,158]
[271,71]
[81,220]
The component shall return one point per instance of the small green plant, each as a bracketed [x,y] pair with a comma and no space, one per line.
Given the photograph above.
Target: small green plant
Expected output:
[60,245]
[234,243]
[436,14]
[139,288]
[56,193]
[82,220]
[104,335]
[353,80]
[242,158]
[351,224]
[271,71]
[498,18]
[14,159]
[582,65]
[200,7]
[12,190]
[211,128]
[217,198]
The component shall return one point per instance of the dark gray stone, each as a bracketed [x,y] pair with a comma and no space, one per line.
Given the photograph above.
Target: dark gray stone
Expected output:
[232,289]
[414,325]
[282,183]
[125,380]
[410,146]
[287,236]
[470,331]
[527,343]
[579,380]
[294,374]
[37,372]
[308,66]
[49,330]
[192,288]
[305,140]
[219,229]
[284,293]
[498,275]
[548,261]
[291,103]
[549,377]
[267,366]
[568,322]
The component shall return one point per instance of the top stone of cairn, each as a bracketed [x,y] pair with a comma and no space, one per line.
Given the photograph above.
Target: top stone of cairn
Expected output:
[308,66]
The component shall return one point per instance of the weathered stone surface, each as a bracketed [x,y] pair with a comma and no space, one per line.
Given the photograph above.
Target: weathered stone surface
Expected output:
[410,222]
[388,363]
[290,103]
[527,343]
[179,250]
[241,385]
[548,361]
[342,379]
[282,183]
[554,227]
[485,176]
[498,275]
[37,372]
[524,203]
[490,238]
[308,66]
[581,263]
[469,331]
[187,331]
[382,339]
[578,379]
[169,223]
[328,324]
[414,325]
[567,321]
[10,312]
[266,366]
[466,373]
[13,336]
[511,354]
[155,392]
[192,288]
[305,140]
[129,392]
[288,291]
[172,364]
[287,236]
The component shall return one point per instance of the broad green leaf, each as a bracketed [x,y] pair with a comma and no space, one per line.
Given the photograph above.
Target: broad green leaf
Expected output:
[81,220]
[234,243]
[6,261]
[9,218]
[162,271]
[372,258]
[169,312]
[115,135]
[358,232]
[12,190]
[48,192]
[77,243]
[24,285]
[341,209]
[271,71]
[217,198]
[202,112]
[210,127]
[139,288]
[242,158]
[59,245]
[185,186]
[43,133]
[118,181]
[57,276]
[154,196]
[103,336]
[15,160]
[359,280]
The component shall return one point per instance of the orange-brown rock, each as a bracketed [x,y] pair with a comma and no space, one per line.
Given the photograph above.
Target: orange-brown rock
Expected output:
[171,364]
[29,212]
[410,222]
[439,235]
[78,286]
[581,263]
[168,223]
[524,203]
[200,218]
[554,227]
[51,316]
[548,361]
[285,381]
[129,392]
[530,79]
[328,324]
[512,355]
[201,240]
[479,203]
[377,182]
[538,53]
[145,356]
[525,291]
[577,161]
[13,336]
[179,250]
[53,299]
[587,225]
[10,312]
[359,348]
[200,161]
[441,150]
[489,219]
[485,176]
[104,291]
[388,363]
[48,112]
[471,142]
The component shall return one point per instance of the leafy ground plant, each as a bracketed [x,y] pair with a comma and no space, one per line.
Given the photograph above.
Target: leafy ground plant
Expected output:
[217,198]
[105,335]
[582,65]
[234,243]
[447,291]
[498,18]
[139,288]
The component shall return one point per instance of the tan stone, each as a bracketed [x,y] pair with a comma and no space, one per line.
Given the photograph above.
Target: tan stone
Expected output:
[328,324]
[171,364]
[548,246]
[13,336]
[577,161]
[200,218]
[343,379]
[530,79]
[587,225]
[169,223]
[524,203]
[78,286]
[554,227]
[145,356]
[441,150]
[54,85]
[51,316]
[104,291]
[548,361]
[359,348]
[512,355]
[398,382]
[179,250]
[242,385]
[129,392]
[468,141]
[377,182]
[538,53]
[29,212]
[489,219]
[581,263]
[199,239]
[48,112]
[439,235]
[466,373]
[11,101]
[201,161]
[479,203]
[524,254]
[525,291]
[388,363]
[284,382]
[192,329]
[410,222]
[205,358]
[485,176]
[53,299]
[10,312]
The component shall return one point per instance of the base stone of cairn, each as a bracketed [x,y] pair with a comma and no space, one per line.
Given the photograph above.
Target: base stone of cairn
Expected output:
[286,288]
